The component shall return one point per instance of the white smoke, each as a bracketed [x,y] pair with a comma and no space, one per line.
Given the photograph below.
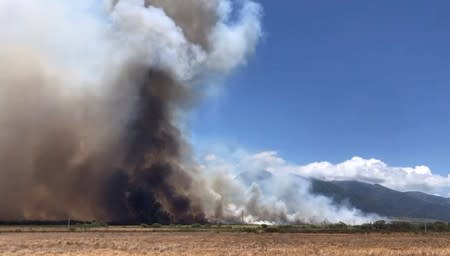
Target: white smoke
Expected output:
[245,189]
[89,34]
[149,33]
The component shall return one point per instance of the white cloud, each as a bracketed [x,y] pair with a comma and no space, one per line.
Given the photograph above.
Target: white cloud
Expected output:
[419,178]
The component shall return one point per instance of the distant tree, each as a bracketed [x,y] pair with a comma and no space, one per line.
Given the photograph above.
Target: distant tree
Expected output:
[379,224]
[400,226]
[439,226]
[156,225]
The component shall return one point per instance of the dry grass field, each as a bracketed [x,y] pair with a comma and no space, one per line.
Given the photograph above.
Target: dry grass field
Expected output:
[209,243]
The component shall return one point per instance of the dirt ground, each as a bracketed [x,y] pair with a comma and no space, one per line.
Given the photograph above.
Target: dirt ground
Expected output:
[204,243]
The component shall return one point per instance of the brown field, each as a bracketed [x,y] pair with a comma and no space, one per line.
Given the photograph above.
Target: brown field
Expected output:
[212,243]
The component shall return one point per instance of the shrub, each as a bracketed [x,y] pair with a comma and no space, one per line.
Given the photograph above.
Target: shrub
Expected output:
[196,225]
[439,226]
[380,225]
[400,226]
[156,225]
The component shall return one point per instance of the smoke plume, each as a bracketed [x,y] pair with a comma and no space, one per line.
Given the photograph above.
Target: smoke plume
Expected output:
[92,98]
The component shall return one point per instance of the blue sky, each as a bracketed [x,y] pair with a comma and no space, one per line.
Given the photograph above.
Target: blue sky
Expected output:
[337,79]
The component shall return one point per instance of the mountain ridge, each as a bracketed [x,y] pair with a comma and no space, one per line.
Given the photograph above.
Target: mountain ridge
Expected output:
[375,198]
[370,198]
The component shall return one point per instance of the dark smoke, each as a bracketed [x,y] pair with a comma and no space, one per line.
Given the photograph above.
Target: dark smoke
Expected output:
[142,180]
[151,185]
[91,99]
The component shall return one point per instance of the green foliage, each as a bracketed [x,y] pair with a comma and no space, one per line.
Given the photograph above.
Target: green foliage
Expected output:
[196,225]
[364,227]
[401,226]
[439,226]
[248,229]
[338,226]
[380,225]
[89,225]
[156,225]
[97,223]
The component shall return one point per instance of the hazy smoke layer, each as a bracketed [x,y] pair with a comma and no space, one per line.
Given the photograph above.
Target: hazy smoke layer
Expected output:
[92,95]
